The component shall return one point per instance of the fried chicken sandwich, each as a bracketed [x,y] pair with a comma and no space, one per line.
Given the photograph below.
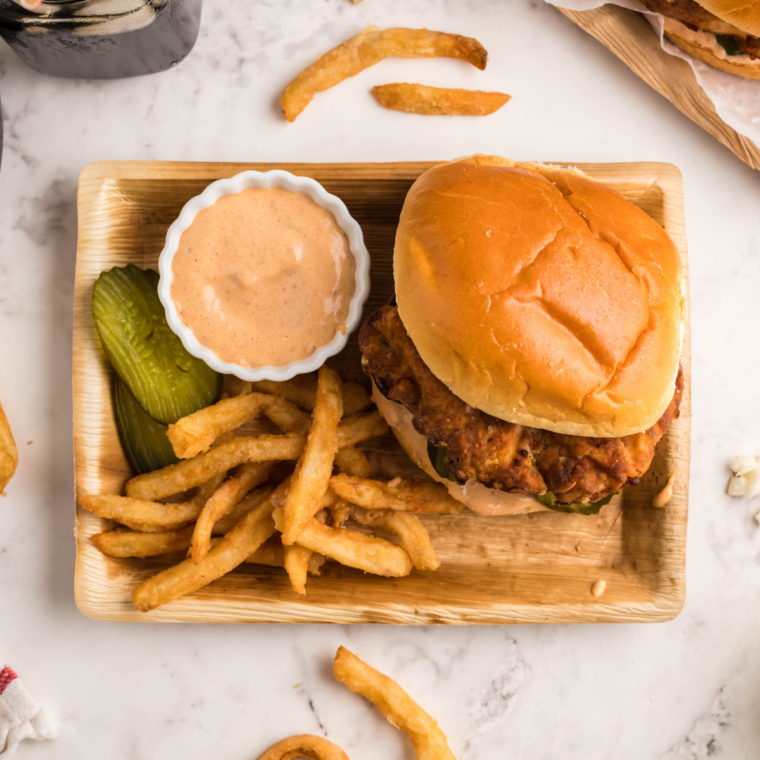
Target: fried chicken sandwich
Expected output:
[531,359]
[723,33]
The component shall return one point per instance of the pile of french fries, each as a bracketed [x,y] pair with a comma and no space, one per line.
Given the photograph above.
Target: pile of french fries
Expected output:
[234,508]
[428,741]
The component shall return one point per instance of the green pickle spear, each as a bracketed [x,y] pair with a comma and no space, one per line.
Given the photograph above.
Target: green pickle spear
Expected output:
[148,357]
[144,440]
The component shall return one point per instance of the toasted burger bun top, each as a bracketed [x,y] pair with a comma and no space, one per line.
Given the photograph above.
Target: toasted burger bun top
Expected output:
[540,296]
[744,14]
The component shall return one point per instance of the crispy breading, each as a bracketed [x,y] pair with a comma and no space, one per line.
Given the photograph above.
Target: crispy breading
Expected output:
[692,15]
[497,453]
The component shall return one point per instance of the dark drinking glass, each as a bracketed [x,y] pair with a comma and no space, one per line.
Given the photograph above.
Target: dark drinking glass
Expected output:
[101,39]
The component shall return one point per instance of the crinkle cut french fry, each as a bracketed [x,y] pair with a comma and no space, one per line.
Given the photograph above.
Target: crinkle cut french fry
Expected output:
[370,47]
[311,478]
[351,461]
[8,451]
[131,543]
[305,745]
[399,708]
[190,472]
[249,475]
[353,549]
[398,494]
[178,581]
[302,391]
[438,101]
[414,537]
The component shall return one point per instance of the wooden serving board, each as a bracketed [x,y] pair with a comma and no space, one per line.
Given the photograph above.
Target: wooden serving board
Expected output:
[535,568]
[631,38]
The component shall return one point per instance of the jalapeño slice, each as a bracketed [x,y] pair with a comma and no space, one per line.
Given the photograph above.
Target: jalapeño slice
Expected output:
[150,359]
[143,439]
[439,458]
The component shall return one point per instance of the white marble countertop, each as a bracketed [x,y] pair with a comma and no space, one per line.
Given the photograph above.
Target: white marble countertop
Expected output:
[683,690]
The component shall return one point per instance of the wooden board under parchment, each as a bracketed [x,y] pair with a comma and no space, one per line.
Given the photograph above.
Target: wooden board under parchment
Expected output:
[535,568]
[631,38]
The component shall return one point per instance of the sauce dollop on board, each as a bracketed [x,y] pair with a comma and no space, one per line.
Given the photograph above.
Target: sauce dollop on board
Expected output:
[263,277]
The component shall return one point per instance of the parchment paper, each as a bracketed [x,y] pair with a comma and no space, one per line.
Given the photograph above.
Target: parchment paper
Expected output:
[736,100]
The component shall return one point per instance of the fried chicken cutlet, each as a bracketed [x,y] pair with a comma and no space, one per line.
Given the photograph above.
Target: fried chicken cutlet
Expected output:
[500,454]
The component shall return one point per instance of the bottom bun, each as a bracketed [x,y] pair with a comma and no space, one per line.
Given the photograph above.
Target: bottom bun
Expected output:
[705,55]
[475,496]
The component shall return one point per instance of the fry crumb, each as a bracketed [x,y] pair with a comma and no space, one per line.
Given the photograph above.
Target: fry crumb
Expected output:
[664,496]
[29,443]
[598,588]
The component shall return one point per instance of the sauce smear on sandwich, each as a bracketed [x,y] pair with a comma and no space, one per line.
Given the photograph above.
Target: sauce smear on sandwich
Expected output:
[263,277]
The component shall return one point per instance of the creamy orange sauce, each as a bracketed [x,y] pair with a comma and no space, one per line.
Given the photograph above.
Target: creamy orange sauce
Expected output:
[263,277]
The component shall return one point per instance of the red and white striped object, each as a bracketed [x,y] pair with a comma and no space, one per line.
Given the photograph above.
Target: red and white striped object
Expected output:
[21,717]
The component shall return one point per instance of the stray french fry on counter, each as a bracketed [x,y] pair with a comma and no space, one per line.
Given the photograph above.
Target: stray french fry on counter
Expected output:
[370,47]
[438,101]
[428,741]
[399,708]
[8,452]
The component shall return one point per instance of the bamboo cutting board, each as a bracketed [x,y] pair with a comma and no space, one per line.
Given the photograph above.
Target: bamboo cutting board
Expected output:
[535,568]
[631,38]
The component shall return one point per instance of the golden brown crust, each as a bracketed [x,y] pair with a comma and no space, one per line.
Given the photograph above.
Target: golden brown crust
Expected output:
[740,13]
[540,297]
[706,56]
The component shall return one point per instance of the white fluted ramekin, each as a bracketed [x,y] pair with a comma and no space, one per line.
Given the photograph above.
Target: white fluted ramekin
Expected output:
[236,184]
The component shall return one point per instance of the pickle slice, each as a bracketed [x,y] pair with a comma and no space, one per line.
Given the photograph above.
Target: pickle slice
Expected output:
[550,500]
[150,359]
[143,439]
